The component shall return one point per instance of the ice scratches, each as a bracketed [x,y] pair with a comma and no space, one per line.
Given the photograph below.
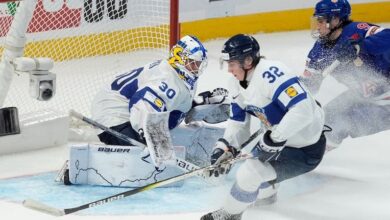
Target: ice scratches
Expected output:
[77,163]
[197,152]
[153,175]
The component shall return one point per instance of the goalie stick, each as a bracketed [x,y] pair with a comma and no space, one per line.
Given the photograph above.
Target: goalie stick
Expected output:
[36,205]
[181,163]
[94,123]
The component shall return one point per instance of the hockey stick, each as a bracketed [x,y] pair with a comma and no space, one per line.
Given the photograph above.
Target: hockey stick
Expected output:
[330,68]
[181,163]
[36,205]
[119,135]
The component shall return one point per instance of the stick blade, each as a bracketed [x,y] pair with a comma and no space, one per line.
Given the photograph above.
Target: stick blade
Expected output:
[36,205]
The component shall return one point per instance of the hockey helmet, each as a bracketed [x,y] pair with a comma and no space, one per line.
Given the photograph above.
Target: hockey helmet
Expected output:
[240,47]
[189,55]
[333,8]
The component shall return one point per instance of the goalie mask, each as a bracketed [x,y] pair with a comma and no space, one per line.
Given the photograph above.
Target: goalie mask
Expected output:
[189,58]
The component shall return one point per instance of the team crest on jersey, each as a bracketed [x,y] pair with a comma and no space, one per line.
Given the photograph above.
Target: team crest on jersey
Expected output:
[259,113]
[291,92]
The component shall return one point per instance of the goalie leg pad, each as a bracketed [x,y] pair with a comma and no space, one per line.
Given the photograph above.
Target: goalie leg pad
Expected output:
[120,166]
[158,138]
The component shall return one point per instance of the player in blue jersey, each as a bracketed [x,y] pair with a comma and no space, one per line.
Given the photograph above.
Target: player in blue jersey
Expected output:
[292,142]
[145,103]
[356,54]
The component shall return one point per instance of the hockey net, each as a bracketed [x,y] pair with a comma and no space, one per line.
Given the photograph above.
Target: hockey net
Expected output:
[89,41]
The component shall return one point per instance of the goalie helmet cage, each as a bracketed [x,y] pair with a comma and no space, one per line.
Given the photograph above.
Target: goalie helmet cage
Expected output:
[90,41]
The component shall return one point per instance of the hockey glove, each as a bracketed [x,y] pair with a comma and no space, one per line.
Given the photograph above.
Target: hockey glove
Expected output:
[349,49]
[266,149]
[217,96]
[222,152]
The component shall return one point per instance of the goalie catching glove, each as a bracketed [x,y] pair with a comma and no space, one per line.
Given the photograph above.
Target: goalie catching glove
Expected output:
[217,96]
[222,152]
[211,107]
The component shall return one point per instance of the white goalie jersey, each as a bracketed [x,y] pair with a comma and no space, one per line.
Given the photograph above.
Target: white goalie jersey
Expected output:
[155,87]
[281,103]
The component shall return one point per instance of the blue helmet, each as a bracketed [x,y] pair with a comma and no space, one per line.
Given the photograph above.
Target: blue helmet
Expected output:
[239,47]
[333,8]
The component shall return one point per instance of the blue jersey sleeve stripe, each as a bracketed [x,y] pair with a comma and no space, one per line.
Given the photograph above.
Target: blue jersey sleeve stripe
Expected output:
[129,89]
[175,118]
[284,86]
[121,80]
[237,113]
[295,100]
[242,195]
[141,95]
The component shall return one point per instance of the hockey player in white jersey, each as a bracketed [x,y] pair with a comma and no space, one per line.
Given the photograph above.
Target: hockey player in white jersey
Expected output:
[292,142]
[146,102]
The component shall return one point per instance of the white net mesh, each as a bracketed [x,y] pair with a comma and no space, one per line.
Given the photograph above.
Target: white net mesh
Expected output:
[90,41]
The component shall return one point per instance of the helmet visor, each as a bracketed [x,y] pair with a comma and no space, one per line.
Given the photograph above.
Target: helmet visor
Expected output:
[224,57]
[319,26]
[196,67]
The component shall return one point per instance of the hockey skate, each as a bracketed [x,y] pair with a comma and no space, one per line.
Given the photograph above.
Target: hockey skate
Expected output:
[221,214]
[63,174]
[266,201]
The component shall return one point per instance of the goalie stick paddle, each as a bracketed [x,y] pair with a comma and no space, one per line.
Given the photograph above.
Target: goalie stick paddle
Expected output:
[36,205]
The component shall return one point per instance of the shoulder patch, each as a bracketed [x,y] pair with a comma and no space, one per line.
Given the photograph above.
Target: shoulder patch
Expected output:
[290,93]
[154,101]
[363,26]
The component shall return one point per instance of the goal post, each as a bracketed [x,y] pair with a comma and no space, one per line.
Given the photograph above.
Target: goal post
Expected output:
[89,41]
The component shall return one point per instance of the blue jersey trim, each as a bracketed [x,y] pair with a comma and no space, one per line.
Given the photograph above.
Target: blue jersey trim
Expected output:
[175,118]
[129,89]
[284,86]
[132,74]
[242,195]
[237,113]
[295,99]
[272,112]
[141,95]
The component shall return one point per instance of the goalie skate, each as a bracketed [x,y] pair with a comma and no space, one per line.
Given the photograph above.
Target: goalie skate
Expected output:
[221,214]
[63,174]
